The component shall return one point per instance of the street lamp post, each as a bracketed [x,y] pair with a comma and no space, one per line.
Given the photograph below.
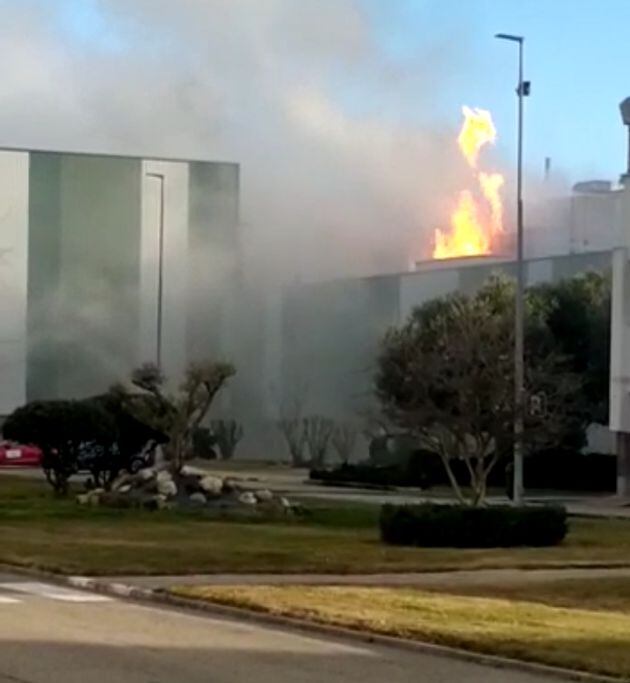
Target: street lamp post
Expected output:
[519,318]
[160,286]
[624,108]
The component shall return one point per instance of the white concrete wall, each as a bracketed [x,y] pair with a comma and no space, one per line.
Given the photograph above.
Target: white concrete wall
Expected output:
[14,168]
[272,360]
[416,288]
[539,271]
[620,323]
[91,210]
[175,249]
[594,224]
[333,329]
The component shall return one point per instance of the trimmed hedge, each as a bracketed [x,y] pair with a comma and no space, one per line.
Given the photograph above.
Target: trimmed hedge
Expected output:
[373,475]
[456,526]
[546,470]
[420,469]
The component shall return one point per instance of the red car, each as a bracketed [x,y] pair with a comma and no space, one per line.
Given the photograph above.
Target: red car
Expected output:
[16,455]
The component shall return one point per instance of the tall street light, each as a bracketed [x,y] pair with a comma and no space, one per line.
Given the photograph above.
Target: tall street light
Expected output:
[519,326]
[624,108]
[160,288]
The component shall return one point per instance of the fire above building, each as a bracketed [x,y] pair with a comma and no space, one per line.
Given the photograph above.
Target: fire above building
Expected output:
[477,220]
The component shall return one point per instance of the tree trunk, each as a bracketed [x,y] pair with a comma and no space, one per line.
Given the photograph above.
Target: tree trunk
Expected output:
[451,477]
[479,490]
[175,455]
[478,481]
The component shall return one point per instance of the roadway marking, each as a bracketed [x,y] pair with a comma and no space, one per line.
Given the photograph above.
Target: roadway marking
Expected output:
[44,590]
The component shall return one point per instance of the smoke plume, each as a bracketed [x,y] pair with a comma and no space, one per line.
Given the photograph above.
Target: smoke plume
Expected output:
[336,181]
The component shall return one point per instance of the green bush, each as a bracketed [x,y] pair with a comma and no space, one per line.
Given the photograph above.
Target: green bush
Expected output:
[456,526]
[94,435]
[65,431]
[203,444]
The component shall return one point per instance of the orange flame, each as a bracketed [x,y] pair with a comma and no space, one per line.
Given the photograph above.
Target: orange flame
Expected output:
[477,130]
[472,229]
[491,184]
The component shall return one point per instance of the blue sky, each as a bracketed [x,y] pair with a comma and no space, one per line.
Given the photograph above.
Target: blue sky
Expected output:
[85,22]
[577,57]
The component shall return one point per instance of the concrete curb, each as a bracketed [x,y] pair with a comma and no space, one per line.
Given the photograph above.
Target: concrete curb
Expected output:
[212,609]
[164,599]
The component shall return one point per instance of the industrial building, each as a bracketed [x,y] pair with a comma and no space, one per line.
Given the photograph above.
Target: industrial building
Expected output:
[330,331]
[337,324]
[108,262]
[111,261]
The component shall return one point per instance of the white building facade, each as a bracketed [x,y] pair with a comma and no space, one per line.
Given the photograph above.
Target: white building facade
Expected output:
[83,239]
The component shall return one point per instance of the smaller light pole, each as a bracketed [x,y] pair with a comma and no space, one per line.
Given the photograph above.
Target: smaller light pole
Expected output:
[624,107]
[160,286]
[519,323]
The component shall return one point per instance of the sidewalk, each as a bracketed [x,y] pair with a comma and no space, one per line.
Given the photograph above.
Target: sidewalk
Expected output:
[419,579]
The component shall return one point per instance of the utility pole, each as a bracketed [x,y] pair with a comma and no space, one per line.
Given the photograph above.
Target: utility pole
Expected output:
[519,318]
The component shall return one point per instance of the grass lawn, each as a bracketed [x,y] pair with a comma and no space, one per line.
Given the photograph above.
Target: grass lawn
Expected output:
[610,594]
[38,530]
[589,640]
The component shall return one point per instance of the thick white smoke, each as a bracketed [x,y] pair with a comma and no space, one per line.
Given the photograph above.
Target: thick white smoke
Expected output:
[301,94]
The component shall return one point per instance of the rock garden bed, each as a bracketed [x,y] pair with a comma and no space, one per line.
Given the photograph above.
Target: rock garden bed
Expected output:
[158,488]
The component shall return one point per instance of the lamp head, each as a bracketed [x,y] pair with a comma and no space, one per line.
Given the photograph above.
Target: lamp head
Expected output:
[509,36]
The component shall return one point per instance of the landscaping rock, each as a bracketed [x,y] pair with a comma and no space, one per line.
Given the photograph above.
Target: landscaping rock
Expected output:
[94,497]
[198,498]
[91,497]
[167,488]
[165,484]
[263,496]
[146,474]
[231,485]
[211,485]
[247,498]
[157,488]
[190,471]
[121,480]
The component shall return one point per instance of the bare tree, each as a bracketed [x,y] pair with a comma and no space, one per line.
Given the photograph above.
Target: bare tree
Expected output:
[179,412]
[227,433]
[344,440]
[318,431]
[292,430]
[291,423]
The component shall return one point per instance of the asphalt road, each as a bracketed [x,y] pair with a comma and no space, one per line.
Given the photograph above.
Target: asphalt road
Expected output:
[56,635]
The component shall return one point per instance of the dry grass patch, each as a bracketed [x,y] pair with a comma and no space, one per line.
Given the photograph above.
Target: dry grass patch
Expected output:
[593,641]
[608,594]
